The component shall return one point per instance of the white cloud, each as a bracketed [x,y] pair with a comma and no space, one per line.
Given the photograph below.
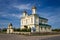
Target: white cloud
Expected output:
[18,15]
[23,6]
[4,15]
[12,15]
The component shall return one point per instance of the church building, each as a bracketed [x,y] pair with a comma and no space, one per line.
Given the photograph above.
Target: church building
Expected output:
[35,22]
[10,29]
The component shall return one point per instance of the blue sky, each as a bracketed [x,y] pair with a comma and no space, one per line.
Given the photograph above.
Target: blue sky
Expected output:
[11,11]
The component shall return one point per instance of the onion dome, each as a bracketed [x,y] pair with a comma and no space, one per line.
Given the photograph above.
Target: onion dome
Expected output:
[10,24]
[33,7]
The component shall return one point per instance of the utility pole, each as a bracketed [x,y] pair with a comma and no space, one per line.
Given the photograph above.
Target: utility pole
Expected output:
[2,28]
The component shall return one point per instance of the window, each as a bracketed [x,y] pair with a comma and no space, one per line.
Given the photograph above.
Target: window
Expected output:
[26,21]
[41,21]
[48,27]
[45,28]
[37,20]
[31,20]
[41,28]
[22,22]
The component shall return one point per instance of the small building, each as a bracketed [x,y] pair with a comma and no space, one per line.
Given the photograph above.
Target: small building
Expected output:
[35,22]
[10,29]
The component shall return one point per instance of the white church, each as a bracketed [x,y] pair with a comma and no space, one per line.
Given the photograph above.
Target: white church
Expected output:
[35,22]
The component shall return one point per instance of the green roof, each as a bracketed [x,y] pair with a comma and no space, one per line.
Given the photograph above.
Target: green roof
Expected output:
[45,25]
[40,17]
[43,18]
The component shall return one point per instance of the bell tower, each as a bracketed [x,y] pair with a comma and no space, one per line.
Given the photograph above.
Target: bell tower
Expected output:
[33,10]
[10,29]
[25,13]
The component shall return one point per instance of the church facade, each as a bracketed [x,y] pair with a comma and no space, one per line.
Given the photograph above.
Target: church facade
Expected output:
[10,28]
[35,22]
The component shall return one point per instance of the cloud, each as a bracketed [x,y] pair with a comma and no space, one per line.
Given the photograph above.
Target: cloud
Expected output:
[23,6]
[18,16]
[53,16]
[12,15]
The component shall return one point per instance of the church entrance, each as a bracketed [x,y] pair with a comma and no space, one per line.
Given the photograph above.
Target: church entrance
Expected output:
[9,30]
[26,27]
[33,29]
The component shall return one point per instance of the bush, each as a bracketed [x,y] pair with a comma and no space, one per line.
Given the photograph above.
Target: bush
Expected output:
[57,30]
[16,29]
[22,30]
[4,30]
[26,30]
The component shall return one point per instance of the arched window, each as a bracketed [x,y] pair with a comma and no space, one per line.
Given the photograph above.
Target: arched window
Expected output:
[41,28]
[45,28]
[48,27]
[31,20]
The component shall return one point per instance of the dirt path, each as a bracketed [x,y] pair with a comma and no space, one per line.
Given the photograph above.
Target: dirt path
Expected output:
[22,37]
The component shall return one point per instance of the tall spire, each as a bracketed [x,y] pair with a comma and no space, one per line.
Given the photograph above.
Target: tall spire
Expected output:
[33,10]
[24,13]
[10,24]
